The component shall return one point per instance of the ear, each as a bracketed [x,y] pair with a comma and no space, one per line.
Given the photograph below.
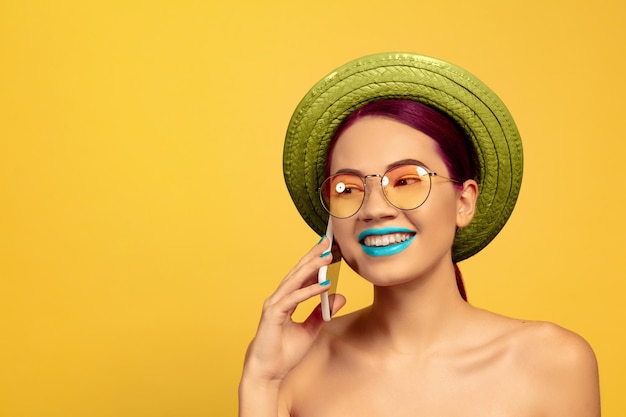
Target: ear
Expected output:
[466,203]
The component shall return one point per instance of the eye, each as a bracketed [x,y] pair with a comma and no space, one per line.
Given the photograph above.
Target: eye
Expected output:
[349,189]
[407,180]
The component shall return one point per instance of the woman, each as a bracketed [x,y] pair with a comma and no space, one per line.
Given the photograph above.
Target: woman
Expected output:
[423,174]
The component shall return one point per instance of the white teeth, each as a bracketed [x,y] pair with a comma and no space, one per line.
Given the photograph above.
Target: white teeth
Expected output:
[386,240]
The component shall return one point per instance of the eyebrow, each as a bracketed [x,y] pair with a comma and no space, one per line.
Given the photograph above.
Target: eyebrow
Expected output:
[392,165]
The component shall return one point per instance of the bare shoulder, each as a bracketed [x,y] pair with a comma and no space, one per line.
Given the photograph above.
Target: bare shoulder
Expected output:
[559,367]
[553,349]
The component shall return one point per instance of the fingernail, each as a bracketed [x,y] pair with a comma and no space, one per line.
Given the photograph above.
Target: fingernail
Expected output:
[325,283]
[325,254]
[323,237]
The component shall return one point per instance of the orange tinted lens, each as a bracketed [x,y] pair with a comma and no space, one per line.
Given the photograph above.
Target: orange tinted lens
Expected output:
[407,186]
[342,194]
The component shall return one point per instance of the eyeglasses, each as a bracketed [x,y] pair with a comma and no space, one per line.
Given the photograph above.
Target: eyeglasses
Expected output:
[405,187]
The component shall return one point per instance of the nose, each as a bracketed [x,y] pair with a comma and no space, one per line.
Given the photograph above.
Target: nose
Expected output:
[375,204]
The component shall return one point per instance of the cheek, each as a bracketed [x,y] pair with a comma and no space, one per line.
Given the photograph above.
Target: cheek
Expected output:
[344,236]
[441,218]
[436,219]
[342,231]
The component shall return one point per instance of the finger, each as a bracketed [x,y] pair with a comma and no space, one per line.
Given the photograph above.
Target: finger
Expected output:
[281,309]
[314,253]
[304,275]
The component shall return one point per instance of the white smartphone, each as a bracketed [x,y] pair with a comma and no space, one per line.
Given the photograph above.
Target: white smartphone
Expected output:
[330,272]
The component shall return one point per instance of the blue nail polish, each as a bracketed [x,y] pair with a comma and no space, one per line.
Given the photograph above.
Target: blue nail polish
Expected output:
[323,237]
[325,254]
[325,283]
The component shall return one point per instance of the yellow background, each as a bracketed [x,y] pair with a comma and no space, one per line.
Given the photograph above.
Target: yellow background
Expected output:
[143,215]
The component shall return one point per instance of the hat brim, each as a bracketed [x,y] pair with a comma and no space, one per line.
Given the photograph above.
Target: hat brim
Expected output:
[439,84]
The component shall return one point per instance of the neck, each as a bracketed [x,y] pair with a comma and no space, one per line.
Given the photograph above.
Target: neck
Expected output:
[420,314]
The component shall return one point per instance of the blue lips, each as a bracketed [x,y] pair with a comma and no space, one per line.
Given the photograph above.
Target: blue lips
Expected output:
[385,250]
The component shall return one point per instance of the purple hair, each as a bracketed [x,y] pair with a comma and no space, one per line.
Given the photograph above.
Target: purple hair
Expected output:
[454,146]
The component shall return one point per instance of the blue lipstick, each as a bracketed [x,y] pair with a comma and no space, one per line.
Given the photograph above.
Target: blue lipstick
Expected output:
[387,250]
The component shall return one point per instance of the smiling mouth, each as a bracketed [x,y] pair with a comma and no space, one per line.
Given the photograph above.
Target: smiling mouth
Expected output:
[386,240]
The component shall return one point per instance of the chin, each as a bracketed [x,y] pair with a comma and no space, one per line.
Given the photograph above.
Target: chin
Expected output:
[385,271]
[396,269]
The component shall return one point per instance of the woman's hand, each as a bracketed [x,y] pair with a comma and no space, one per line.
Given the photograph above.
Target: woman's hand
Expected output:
[280,343]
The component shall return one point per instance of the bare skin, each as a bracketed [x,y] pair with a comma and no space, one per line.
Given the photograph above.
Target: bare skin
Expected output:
[419,349]
[495,367]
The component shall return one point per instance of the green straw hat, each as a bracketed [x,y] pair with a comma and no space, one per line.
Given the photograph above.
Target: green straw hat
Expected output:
[439,84]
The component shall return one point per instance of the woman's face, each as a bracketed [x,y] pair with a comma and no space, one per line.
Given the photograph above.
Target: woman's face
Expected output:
[371,146]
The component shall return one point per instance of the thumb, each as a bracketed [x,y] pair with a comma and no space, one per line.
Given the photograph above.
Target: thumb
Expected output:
[336,301]
[314,322]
